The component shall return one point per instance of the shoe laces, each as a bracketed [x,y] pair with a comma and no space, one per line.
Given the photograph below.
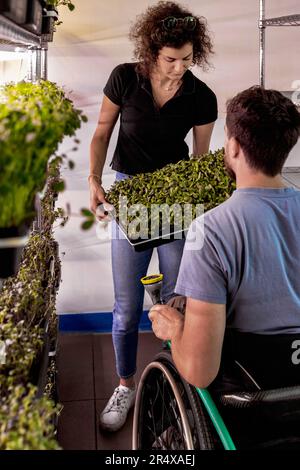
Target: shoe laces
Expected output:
[117,400]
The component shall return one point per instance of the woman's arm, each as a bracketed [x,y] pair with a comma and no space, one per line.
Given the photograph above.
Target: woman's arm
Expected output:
[107,119]
[201,138]
[108,116]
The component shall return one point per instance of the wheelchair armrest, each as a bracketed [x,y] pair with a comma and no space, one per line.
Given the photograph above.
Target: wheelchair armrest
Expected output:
[261,397]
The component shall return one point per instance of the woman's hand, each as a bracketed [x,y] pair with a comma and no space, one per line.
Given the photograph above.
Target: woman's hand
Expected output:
[98,205]
[167,322]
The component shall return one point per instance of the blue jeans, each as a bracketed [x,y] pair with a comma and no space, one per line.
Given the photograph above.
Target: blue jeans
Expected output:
[128,267]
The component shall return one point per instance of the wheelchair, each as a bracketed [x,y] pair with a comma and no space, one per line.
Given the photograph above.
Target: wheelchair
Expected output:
[170,414]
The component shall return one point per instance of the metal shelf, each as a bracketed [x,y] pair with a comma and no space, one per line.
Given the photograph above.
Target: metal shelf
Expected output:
[289,20]
[11,33]
[291,169]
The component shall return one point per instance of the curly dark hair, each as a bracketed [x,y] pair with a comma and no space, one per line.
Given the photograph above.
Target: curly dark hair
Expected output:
[149,36]
[267,126]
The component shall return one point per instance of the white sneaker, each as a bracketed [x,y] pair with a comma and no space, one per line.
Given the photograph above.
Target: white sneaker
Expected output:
[115,413]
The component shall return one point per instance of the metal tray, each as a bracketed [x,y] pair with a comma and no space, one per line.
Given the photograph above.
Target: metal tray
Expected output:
[141,244]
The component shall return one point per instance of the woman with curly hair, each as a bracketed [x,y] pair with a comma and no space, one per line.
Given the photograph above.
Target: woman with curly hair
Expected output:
[159,101]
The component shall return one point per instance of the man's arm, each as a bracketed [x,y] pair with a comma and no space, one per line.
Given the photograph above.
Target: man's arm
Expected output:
[196,339]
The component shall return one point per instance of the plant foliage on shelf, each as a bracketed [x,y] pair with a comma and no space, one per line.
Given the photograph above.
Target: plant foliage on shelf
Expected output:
[25,422]
[58,3]
[27,303]
[34,118]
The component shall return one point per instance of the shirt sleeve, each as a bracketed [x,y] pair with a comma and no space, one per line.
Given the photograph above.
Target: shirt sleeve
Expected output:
[115,86]
[206,106]
[201,274]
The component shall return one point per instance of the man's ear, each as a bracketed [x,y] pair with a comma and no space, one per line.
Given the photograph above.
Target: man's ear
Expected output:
[233,147]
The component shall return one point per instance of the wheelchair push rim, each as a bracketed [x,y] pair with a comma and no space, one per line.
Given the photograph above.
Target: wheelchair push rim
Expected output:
[176,419]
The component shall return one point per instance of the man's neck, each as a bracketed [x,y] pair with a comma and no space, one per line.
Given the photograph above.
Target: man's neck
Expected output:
[259,180]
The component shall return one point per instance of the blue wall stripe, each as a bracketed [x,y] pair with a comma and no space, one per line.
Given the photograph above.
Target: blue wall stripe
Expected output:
[94,322]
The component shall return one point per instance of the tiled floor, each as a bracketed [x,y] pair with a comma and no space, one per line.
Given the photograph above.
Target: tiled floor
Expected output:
[86,379]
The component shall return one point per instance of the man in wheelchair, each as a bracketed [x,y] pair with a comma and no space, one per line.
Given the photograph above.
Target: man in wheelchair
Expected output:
[240,275]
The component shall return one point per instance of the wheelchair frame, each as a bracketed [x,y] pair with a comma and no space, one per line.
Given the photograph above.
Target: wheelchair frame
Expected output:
[231,400]
[170,372]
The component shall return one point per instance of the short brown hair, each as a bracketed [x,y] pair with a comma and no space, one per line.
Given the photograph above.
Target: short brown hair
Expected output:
[267,126]
[149,36]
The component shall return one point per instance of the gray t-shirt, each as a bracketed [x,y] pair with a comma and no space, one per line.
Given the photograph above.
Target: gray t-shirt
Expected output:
[250,260]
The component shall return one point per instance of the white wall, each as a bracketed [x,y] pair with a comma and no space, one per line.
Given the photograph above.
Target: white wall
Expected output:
[89,43]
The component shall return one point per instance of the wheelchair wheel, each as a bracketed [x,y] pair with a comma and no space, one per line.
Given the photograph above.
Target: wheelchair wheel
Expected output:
[168,413]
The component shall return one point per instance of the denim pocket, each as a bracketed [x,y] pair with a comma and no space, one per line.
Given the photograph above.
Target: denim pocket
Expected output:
[121,176]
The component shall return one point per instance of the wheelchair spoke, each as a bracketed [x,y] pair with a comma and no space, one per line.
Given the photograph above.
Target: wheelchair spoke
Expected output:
[171,427]
[166,410]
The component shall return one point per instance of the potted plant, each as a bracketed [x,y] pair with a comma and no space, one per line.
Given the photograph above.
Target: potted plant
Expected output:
[34,118]
[50,17]
[58,3]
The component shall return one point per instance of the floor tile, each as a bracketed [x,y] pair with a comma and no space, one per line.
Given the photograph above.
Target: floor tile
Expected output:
[106,378]
[75,367]
[76,425]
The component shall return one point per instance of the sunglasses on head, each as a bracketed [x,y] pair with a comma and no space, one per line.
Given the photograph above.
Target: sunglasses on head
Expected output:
[170,23]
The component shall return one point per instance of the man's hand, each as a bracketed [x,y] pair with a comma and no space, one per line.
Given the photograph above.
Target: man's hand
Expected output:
[196,338]
[167,322]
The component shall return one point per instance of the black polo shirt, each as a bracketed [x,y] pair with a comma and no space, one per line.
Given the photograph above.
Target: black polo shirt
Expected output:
[151,137]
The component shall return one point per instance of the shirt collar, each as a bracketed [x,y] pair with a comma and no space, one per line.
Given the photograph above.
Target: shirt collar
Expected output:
[188,83]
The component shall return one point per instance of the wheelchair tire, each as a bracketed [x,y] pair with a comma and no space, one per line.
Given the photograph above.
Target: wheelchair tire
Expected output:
[169,414]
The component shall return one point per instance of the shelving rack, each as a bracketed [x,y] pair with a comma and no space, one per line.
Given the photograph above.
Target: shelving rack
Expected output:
[13,36]
[289,20]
